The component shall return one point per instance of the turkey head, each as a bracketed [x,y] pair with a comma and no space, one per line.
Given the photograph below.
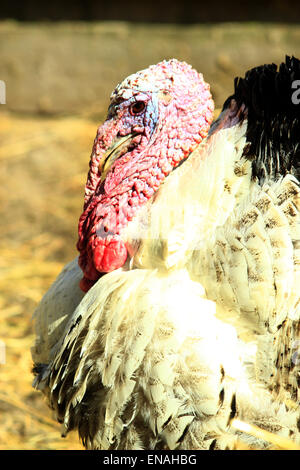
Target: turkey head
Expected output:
[156,118]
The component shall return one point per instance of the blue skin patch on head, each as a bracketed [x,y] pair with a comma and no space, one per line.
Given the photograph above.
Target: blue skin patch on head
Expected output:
[121,108]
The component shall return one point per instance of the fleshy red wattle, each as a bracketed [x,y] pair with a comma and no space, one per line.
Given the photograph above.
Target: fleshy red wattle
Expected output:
[178,113]
[109,257]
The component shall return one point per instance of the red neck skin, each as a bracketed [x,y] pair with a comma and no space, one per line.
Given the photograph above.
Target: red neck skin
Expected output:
[135,176]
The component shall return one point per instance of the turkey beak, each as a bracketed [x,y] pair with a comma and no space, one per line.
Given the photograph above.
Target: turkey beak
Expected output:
[119,147]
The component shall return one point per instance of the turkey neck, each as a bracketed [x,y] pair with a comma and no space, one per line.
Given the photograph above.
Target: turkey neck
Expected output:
[195,199]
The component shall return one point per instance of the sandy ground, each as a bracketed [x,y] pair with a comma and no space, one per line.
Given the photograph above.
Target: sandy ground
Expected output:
[43,170]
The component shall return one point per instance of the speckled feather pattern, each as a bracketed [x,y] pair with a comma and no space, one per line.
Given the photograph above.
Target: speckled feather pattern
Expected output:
[141,381]
[200,325]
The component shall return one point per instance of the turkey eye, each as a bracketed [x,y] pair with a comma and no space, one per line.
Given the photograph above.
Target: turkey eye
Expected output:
[137,107]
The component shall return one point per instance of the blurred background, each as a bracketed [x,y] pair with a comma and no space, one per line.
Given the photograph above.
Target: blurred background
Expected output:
[60,61]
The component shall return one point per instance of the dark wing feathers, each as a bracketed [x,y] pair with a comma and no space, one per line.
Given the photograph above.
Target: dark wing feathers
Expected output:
[273,118]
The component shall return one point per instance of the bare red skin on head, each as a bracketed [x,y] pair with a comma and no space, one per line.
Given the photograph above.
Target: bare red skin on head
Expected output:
[105,259]
[110,257]
[185,115]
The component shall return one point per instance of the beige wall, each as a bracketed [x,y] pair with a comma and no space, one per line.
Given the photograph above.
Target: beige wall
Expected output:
[72,67]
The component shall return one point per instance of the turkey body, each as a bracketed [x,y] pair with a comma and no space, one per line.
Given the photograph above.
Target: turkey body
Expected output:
[200,324]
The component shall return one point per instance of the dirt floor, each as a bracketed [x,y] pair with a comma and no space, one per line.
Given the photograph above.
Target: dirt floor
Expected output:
[43,170]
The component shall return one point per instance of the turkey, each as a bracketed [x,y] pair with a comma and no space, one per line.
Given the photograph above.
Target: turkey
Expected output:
[181,314]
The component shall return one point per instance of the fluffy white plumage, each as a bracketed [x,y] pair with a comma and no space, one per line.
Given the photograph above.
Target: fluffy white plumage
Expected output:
[199,328]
